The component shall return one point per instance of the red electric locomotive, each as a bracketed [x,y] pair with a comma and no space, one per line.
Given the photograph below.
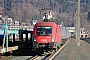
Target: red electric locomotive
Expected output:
[47,36]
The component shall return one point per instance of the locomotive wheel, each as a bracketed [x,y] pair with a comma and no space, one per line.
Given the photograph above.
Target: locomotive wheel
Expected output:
[39,51]
[55,49]
[58,47]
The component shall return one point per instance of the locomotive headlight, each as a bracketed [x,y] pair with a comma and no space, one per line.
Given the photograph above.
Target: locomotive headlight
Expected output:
[34,39]
[52,39]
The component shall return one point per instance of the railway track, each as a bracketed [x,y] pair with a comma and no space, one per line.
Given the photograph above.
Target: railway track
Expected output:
[29,55]
[55,53]
[40,57]
[86,40]
[49,56]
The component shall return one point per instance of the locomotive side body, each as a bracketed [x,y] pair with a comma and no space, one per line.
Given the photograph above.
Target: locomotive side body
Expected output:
[68,35]
[47,35]
[63,33]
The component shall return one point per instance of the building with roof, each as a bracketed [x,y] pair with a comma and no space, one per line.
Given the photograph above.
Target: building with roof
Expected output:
[83,33]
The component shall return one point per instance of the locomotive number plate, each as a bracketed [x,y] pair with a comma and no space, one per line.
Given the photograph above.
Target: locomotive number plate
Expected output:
[43,40]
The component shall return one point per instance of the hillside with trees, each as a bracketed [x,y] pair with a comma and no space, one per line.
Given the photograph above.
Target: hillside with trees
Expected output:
[63,11]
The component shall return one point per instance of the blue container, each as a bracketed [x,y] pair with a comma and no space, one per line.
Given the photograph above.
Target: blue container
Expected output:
[2,32]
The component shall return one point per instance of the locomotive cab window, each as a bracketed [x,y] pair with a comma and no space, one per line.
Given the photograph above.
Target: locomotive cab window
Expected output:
[44,30]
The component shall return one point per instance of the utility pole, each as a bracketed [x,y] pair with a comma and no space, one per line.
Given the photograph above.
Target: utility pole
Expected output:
[78,24]
[6,33]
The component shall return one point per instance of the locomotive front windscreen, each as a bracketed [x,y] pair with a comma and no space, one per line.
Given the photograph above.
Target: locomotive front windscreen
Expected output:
[44,30]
